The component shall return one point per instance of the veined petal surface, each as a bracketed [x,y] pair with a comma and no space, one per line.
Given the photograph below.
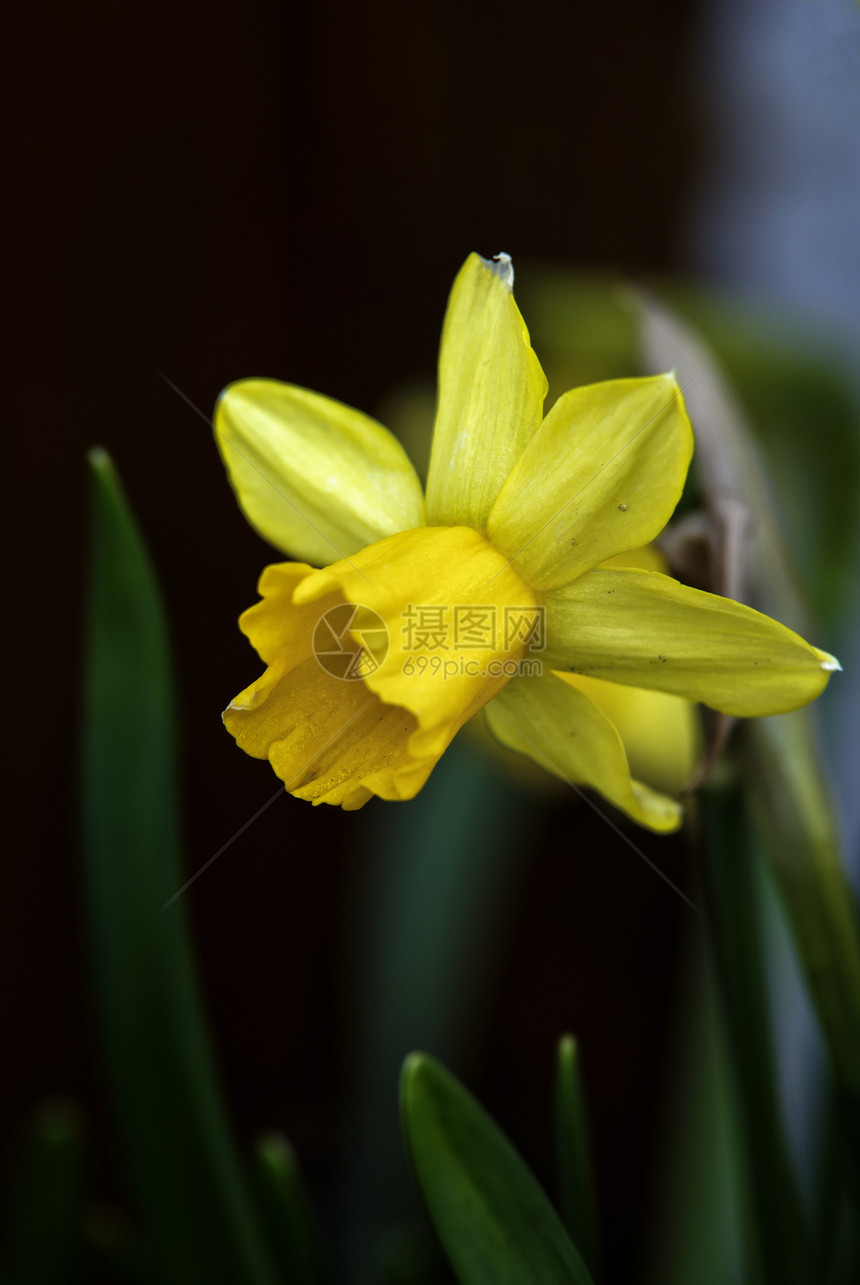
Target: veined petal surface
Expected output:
[315,478]
[562,730]
[602,475]
[647,630]
[490,400]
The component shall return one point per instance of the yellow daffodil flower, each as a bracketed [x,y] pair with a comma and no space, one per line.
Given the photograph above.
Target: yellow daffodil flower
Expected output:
[492,592]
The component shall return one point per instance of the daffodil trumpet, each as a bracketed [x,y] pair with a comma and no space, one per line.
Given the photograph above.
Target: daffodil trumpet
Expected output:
[516,585]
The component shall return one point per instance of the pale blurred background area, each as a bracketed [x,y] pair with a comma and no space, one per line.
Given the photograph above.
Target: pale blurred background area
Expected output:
[777,219]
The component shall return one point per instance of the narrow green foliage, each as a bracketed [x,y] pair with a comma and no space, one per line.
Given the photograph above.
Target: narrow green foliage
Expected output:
[173,1143]
[799,839]
[493,1220]
[777,1222]
[798,830]
[699,1200]
[575,1171]
[287,1215]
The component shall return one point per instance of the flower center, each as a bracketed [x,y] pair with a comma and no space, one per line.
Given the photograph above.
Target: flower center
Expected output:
[457,620]
[377,661]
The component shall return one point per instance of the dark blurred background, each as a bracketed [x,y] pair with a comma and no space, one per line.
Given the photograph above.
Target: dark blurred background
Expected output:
[209,191]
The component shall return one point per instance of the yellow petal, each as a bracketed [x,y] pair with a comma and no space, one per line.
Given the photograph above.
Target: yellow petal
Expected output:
[491,391]
[648,558]
[661,733]
[272,625]
[563,731]
[421,578]
[316,479]
[324,738]
[602,475]
[341,739]
[647,630]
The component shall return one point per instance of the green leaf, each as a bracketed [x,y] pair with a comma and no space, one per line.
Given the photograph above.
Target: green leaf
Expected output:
[778,1222]
[799,839]
[287,1213]
[575,1172]
[701,1164]
[494,1222]
[175,1152]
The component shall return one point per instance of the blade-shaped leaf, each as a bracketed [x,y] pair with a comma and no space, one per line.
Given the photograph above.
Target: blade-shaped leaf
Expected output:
[494,1222]
[701,1204]
[174,1149]
[575,1172]
[734,918]
[287,1213]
